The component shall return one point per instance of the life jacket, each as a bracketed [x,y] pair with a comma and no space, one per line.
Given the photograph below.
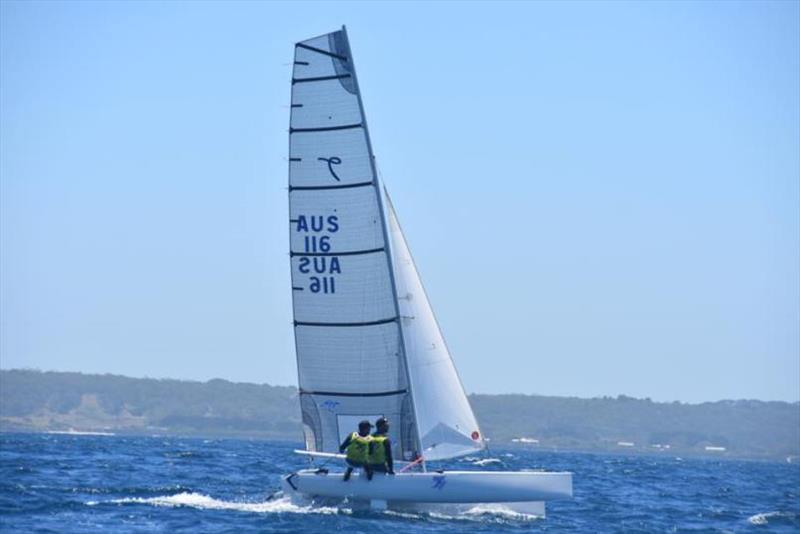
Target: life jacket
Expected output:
[377,449]
[358,448]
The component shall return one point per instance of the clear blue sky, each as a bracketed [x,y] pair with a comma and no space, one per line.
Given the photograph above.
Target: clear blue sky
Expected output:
[602,198]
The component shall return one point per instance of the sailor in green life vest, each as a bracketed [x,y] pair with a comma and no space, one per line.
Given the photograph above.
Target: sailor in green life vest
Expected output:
[380,449]
[356,446]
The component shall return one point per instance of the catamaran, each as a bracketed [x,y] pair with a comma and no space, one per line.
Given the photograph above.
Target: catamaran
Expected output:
[368,344]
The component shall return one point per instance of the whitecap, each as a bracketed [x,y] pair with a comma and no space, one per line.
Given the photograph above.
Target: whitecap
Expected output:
[499,510]
[763,519]
[487,511]
[73,432]
[487,461]
[404,515]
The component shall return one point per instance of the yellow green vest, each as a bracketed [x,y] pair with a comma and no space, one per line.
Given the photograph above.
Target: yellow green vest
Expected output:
[358,448]
[377,449]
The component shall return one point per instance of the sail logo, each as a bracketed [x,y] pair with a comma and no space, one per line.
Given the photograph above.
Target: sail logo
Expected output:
[331,162]
[330,405]
[439,482]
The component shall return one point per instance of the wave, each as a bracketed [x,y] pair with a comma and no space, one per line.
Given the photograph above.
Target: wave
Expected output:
[204,502]
[475,460]
[488,512]
[764,518]
[491,512]
[500,510]
[487,461]
[73,432]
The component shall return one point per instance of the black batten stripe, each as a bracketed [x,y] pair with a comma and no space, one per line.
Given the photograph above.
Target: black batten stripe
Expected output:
[320,51]
[298,288]
[319,78]
[295,159]
[318,187]
[371,323]
[327,128]
[297,105]
[301,62]
[341,394]
[351,253]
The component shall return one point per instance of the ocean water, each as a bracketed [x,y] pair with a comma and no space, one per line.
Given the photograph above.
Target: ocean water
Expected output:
[84,483]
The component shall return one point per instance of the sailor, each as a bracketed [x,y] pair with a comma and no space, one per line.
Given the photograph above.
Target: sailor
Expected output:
[356,446]
[380,449]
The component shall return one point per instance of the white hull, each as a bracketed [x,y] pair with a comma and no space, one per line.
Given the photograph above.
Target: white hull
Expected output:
[454,487]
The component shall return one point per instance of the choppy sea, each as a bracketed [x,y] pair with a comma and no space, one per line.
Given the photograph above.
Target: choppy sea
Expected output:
[88,483]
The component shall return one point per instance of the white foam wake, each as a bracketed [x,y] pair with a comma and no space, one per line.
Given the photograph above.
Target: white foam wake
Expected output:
[204,502]
[283,504]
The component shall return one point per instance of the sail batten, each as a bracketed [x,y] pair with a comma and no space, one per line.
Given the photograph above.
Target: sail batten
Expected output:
[340,325]
[347,394]
[350,253]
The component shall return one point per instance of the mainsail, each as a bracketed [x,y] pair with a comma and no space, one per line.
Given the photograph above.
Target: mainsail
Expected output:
[347,331]
[366,338]
[446,424]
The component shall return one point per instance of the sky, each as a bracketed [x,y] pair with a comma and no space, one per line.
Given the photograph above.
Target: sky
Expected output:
[601,198]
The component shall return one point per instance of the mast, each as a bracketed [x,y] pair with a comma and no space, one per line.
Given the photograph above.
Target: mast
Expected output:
[389,259]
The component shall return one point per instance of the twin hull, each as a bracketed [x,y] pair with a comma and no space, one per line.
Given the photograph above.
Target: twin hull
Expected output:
[469,487]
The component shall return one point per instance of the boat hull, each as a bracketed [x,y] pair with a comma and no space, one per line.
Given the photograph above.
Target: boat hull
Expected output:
[435,487]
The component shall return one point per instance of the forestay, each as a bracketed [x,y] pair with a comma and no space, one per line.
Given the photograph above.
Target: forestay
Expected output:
[446,424]
[347,332]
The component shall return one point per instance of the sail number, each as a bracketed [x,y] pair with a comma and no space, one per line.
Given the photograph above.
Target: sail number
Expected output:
[320,270]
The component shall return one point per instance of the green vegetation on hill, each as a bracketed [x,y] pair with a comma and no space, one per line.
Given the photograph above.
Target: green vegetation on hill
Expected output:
[42,401]
[59,401]
[744,428]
